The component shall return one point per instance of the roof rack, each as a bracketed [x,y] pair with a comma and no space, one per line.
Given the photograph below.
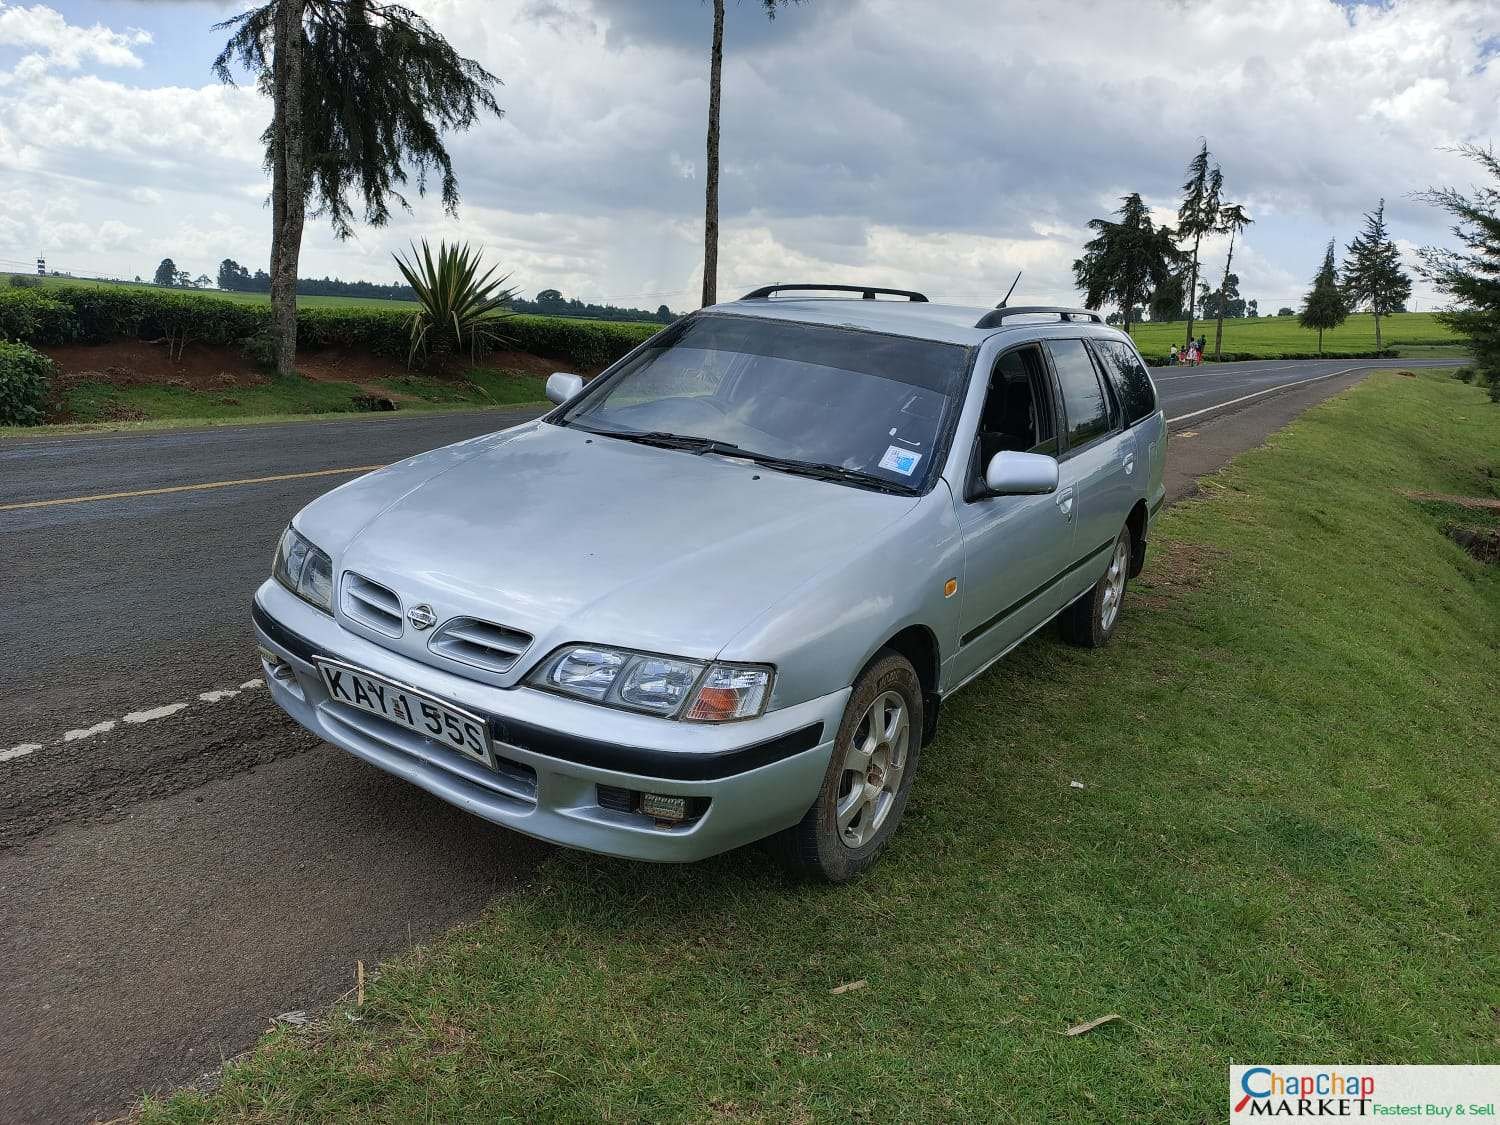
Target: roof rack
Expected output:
[995,318]
[867,292]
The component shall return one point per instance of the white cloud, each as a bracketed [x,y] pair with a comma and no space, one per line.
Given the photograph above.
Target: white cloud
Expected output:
[64,45]
[943,146]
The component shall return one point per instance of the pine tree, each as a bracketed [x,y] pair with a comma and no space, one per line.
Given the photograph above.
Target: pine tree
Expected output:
[1199,213]
[1372,271]
[1126,259]
[1471,276]
[1324,306]
[360,90]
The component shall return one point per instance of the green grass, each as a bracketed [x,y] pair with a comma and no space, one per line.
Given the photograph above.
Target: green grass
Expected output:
[1274,335]
[94,401]
[1284,850]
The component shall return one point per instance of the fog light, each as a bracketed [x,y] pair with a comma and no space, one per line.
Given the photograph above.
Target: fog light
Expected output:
[659,806]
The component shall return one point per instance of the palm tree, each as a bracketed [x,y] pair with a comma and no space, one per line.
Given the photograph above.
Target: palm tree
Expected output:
[1199,214]
[1232,221]
[359,89]
[711,193]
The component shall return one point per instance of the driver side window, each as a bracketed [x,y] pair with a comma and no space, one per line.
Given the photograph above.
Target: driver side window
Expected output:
[1017,411]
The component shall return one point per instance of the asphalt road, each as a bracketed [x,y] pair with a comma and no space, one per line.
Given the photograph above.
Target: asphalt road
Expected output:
[172,880]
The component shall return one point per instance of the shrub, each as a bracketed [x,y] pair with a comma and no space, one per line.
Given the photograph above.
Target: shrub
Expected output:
[25,382]
[456,304]
[34,317]
[98,314]
[25,281]
[1464,374]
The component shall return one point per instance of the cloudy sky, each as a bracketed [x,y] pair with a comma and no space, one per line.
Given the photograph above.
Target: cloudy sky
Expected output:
[935,144]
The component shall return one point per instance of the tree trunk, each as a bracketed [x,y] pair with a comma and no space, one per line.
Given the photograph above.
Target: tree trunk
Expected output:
[1320,342]
[288,183]
[1376,310]
[1192,293]
[1223,300]
[711,198]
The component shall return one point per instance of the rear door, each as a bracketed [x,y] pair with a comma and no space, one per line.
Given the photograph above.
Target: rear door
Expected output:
[1097,458]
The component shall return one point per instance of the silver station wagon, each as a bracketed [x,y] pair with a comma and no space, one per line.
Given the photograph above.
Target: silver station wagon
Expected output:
[721,593]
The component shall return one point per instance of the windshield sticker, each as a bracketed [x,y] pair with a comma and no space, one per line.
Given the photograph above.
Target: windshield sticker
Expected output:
[899,460]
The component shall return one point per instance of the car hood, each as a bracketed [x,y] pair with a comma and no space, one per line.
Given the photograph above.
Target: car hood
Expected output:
[576,537]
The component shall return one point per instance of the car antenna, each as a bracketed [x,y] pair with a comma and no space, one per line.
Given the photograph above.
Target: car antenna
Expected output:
[1009,291]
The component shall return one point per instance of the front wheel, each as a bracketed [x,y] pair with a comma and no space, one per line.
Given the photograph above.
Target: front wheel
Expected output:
[869,777]
[1091,620]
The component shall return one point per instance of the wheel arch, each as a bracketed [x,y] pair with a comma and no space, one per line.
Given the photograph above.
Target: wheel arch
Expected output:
[1137,522]
[919,645]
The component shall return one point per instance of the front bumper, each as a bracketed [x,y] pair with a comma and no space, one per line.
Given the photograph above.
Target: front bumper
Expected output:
[553,754]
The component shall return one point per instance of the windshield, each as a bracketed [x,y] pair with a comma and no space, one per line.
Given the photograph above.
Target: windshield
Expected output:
[861,403]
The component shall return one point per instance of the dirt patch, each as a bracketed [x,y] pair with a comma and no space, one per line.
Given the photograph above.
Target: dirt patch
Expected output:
[1481,542]
[1175,569]
[134,363]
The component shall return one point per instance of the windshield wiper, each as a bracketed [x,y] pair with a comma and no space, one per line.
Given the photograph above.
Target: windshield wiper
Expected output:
[838,473]
[816,470]
[667,440]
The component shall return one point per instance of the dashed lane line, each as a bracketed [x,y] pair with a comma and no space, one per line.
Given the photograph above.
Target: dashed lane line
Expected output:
[146,715]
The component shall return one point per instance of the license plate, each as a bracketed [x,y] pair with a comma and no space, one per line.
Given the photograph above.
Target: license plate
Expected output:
[440,722]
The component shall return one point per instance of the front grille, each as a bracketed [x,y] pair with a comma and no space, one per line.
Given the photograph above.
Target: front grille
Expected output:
[480,644]
[371,604]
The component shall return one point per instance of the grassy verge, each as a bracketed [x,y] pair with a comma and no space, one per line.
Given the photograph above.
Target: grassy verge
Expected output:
[1284,850]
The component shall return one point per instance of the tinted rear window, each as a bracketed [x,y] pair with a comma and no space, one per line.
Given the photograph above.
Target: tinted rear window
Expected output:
[1083,395]
[1127,373]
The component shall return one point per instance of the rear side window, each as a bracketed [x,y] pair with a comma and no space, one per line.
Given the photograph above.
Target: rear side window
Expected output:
[1128,374]
[1084,401]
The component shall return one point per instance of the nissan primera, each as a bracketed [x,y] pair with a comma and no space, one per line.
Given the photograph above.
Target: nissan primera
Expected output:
[722,592]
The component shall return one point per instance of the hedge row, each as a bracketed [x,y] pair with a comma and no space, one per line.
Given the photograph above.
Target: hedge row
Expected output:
[1236,357]
[95,315]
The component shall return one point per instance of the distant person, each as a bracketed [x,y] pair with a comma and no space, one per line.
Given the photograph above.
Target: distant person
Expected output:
[1172,361]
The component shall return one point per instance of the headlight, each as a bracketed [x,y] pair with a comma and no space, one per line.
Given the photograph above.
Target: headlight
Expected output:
[304,570]
[657,685]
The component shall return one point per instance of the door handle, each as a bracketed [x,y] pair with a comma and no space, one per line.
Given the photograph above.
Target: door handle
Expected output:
[1129,464]
[1065,503]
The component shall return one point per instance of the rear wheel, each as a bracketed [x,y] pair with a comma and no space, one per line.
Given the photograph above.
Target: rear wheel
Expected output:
[864,791]
[1091,620]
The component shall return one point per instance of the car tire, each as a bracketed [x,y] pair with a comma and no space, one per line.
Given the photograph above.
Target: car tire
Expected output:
[859,803]
[1091,620]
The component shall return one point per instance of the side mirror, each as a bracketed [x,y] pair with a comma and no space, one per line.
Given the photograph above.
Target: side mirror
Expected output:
[1020,474]
[562,386]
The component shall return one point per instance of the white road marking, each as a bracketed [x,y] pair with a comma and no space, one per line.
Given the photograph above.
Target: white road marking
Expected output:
[147,715]
[154,713]
[1257,394]
[89,732]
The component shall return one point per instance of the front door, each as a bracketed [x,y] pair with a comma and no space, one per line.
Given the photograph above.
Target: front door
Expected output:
[1014,546]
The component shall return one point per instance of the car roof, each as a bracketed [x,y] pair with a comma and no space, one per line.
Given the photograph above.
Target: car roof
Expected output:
[953,324]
